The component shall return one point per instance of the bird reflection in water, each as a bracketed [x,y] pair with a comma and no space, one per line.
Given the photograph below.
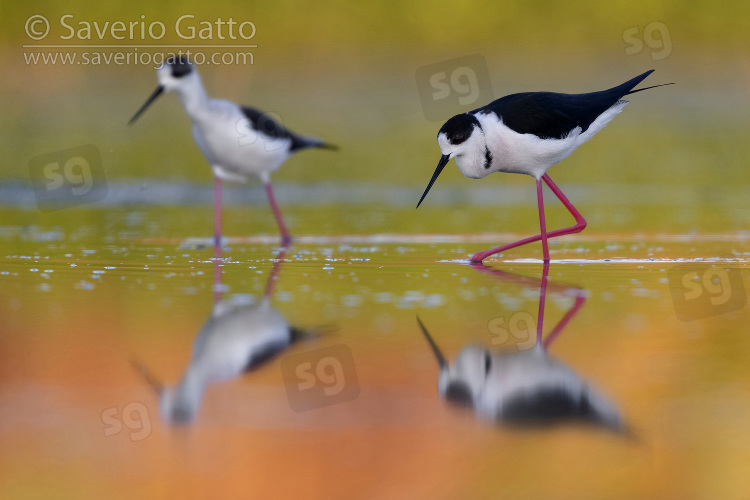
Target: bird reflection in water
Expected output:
[237,338]
[524,387]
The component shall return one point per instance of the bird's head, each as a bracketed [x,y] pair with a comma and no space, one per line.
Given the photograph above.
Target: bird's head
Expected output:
[462,138]
[176,405]
[462,382]
[176,73]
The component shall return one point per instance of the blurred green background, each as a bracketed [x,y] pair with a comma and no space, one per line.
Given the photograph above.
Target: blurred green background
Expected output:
[346,72]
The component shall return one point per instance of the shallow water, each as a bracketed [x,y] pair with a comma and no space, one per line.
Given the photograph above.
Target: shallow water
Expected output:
[100,317]
[123,337]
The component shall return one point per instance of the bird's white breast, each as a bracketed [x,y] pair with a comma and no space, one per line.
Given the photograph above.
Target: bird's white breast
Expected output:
[234,149]
[233,335]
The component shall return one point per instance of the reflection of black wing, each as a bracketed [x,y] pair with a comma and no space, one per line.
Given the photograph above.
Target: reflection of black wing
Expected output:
[265,353]
[269,351]
[552,115]
[548,405]
[265,124]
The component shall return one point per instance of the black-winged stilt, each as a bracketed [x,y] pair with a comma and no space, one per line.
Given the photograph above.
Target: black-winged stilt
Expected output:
[236,339]
[238,141]
[523,386]
[526,134]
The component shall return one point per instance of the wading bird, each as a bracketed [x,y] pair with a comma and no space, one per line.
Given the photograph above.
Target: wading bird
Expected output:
[236,339]
[526,134]
[239,142]
[524,386]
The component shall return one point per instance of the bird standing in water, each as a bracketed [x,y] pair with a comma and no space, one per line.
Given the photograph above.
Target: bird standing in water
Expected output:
[239,142]
[527,133]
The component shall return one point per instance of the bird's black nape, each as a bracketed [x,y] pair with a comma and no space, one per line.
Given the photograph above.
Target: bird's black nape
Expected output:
[459,128]
[459,393]
[180,65]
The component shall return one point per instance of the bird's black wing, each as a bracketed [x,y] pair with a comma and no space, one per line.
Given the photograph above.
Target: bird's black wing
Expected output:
[546,405]
[264,123]
[265,353]
[552,115]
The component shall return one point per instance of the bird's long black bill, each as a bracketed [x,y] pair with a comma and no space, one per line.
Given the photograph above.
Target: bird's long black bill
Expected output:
[443,161]
[155,384]
[151,99]
[651,87]
[439,355]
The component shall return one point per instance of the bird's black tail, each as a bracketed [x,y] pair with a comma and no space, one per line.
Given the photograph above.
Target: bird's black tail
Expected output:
[299,142]
[315,332]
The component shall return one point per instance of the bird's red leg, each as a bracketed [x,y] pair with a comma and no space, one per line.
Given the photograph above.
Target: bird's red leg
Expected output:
[274,275]
[217,275]
[542,222]
[560,326]
[286,237]
[217,240]
[217,217]
[542,301]
[579,226]
[580,300]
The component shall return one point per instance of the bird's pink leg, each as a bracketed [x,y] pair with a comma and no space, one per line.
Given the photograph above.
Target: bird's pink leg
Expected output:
[286,237]
[217,217]
[560,326]
[542,221]
[217,275]
[542,301]
[543,287]
[579,226]
[217,240]
[580,300]
[274,275]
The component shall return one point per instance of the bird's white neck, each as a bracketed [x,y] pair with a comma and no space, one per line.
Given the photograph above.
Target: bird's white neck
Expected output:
[187,396]
[193,96]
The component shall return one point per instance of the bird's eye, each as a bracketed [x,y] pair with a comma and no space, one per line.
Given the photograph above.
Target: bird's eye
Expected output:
[487,363]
